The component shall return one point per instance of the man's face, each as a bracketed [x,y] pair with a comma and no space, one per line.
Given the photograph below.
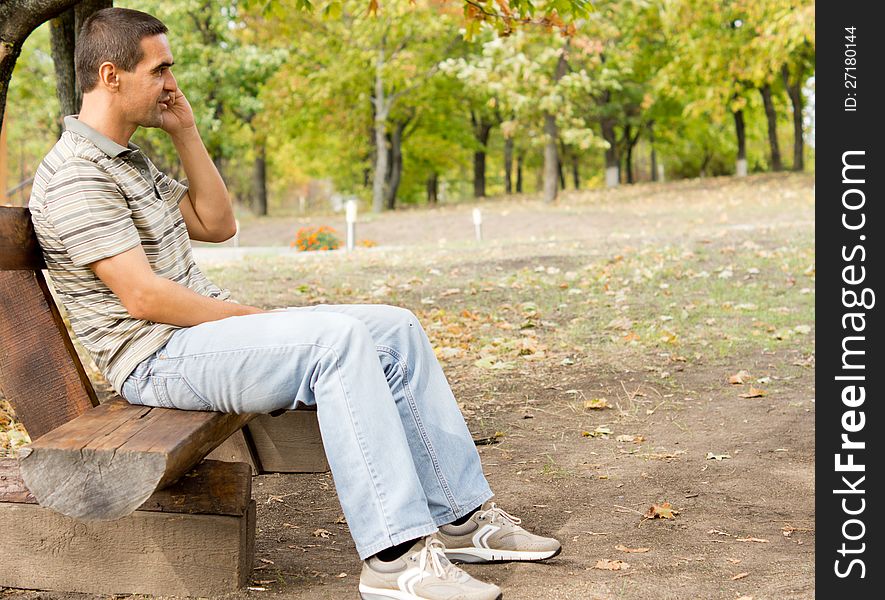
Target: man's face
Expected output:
[146,90]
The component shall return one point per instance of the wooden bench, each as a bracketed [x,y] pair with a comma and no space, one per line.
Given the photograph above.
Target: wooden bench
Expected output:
[112,497]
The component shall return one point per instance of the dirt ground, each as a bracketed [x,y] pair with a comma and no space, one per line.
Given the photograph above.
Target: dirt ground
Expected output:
[645,300]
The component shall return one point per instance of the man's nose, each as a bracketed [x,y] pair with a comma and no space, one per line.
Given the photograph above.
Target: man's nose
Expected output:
[170,83]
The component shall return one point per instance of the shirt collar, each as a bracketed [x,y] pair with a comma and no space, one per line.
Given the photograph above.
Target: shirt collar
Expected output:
[101,141]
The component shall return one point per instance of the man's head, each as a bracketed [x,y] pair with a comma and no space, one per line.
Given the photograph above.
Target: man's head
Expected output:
[124,54]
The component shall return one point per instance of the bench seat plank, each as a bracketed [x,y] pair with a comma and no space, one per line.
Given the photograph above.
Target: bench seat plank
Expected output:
[108,461]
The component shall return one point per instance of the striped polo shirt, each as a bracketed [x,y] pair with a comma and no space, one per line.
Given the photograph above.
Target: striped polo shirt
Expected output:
[91,199]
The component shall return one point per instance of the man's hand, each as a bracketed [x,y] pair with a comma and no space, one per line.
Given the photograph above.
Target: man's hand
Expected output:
[178,116]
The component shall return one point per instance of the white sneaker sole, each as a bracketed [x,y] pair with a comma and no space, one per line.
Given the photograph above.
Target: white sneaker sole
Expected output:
[479,555]
[370,593]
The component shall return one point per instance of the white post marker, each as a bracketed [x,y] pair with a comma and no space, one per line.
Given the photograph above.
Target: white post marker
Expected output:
[350,217]
[477,223]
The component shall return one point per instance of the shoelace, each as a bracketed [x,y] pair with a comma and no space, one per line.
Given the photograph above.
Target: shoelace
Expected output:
[495,512]
[434,552]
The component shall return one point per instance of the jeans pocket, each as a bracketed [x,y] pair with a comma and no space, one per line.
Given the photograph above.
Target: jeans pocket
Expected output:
[176,392]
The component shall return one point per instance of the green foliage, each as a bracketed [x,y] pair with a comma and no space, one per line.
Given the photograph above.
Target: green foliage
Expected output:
[32,112]
[296,81]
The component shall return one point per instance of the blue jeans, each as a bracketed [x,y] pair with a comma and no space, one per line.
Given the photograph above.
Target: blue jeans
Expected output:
[401,456]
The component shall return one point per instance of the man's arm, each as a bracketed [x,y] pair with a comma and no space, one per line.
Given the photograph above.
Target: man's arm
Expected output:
[206,207]
[147,296]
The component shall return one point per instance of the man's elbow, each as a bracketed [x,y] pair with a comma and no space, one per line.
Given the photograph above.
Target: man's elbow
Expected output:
[222,232]
[227,232]
[141,302]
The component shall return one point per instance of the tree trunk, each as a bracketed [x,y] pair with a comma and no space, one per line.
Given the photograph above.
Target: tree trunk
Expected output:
[576,175]
[61,38]
[654,156]
[520,158]
[630,143]
[560,158]
[18,18]
[551,158]
[396,165]
[612,171]
[259,205]
[740,130]
[508,165]
[433,188]
[771,117]
[382,109]
[482,128]
[794,91]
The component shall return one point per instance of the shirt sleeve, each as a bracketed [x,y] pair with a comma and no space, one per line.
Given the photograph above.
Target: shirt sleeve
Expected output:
[89,213]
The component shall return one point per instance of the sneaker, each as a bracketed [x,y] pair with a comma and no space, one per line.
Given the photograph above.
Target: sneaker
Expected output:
[422,573]
[492,535]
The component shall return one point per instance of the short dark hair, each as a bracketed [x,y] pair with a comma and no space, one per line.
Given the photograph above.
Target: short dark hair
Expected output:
[112,35]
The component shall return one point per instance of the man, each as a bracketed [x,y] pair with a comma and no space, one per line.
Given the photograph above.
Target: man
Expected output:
[115,233]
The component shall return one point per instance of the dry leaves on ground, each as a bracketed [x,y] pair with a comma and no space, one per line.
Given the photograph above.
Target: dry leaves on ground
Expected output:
[623,548]
[596,403]
[611,565]
[754,393]
[661,511]
[739,378]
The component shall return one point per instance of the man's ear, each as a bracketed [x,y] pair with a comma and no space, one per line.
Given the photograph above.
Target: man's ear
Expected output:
[107,76]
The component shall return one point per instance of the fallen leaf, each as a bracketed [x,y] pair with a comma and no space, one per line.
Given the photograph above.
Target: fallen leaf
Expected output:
[752,539]
[754,393]
[630,438]
[661,511]
[745,598]
[611,565]
[341,575]
[322,533]
[739,576]
[739,377]
[600,432]
[711,456]
[623,548]
[266,561]
[734,561]
[596,403]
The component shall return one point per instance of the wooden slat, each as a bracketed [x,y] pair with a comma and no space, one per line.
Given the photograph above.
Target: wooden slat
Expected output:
[290,443]
[40,373]
[107,462]
[151,553]
[237,449]
[213,487]
[18,244]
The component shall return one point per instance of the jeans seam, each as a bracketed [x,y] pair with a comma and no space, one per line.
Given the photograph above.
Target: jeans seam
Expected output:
[413,408]
[373,475]
[249,349]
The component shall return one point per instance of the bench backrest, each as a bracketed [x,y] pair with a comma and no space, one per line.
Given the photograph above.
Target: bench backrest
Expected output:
[40,372]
